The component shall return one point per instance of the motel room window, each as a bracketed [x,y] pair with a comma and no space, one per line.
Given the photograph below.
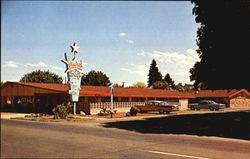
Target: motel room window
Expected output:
[105,99]
[115,99]
[124,99]
[138,99]
[92,99]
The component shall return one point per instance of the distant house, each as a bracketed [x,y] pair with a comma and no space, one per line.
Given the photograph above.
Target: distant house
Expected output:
[42,97]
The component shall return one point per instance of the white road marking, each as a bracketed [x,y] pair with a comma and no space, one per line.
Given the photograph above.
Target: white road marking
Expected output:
[174,154]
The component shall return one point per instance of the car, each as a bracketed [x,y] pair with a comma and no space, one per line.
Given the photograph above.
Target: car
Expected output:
[155,105]
[206,104]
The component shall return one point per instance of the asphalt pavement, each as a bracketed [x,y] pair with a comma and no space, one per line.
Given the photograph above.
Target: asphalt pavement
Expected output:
[91,139]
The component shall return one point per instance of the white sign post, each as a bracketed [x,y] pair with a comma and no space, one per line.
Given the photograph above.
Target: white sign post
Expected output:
[112,103]
[74,74]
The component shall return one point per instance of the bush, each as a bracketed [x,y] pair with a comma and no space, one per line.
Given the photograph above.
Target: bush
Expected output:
[61,111]
[134,111]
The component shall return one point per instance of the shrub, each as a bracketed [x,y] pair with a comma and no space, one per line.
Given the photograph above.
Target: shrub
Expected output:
[61,111]
[134,111]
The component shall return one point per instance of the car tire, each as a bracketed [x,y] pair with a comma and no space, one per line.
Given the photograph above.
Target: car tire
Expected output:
[197,109]
[217,109]
[211,108]
[167,112]
[192,108]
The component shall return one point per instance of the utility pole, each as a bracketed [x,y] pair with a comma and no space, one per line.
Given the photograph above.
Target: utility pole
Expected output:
[112,102]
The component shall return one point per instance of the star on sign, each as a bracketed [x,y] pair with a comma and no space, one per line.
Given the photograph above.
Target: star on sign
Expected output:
[74,48]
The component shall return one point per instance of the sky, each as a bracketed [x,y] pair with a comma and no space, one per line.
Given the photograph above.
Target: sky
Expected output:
[118,38]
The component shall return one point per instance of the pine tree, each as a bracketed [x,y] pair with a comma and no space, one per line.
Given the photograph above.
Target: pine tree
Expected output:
[169,80]
[154,75]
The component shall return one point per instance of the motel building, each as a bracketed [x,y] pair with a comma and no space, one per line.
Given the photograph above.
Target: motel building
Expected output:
[43,97]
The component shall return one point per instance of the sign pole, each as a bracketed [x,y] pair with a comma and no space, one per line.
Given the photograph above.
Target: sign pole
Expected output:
[67,67]
[112,102]
[74,108]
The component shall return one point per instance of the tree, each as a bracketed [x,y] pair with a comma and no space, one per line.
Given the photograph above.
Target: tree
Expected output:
[179,87]
[185,87]
[41,77]
[117,85]
[223,44]
[160,85]
[154,75]
[96,78]
[188,87]
[139,85]
[169,80]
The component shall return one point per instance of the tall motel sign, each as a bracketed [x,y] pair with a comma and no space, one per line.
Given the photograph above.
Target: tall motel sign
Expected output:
[74,70]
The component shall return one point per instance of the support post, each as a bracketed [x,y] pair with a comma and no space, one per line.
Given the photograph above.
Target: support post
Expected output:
[112,102]
[74,105]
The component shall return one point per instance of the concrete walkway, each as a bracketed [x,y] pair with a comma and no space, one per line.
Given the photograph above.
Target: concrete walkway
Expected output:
[5,115]
[8,115]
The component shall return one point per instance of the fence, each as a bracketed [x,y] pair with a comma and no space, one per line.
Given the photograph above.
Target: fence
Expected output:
[95,107]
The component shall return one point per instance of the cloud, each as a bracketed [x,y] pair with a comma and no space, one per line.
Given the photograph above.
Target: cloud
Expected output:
[136,69]
[10,64]
[130,41]
[192,52]
[123,34]
[57,68]
[40,64]
[141,54]
[181,60]
[175,63]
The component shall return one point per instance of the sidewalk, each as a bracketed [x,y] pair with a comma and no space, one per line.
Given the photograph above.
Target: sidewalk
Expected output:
[7,115]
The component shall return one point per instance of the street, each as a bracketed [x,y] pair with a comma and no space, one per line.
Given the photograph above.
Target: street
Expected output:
[29,139]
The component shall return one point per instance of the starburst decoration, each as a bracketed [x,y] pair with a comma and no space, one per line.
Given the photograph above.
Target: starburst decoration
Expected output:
[74,49]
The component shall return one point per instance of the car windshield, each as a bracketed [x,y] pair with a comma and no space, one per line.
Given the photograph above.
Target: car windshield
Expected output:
[213,102]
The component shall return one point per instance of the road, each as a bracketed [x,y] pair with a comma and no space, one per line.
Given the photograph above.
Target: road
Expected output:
[30,139]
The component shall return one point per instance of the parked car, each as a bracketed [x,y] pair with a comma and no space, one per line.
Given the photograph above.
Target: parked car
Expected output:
[207,104]
[161,106]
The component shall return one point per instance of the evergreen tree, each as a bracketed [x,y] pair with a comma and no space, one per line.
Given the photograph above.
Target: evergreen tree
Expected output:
[154,75]
[169,81]
[223,40]
[41,77]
